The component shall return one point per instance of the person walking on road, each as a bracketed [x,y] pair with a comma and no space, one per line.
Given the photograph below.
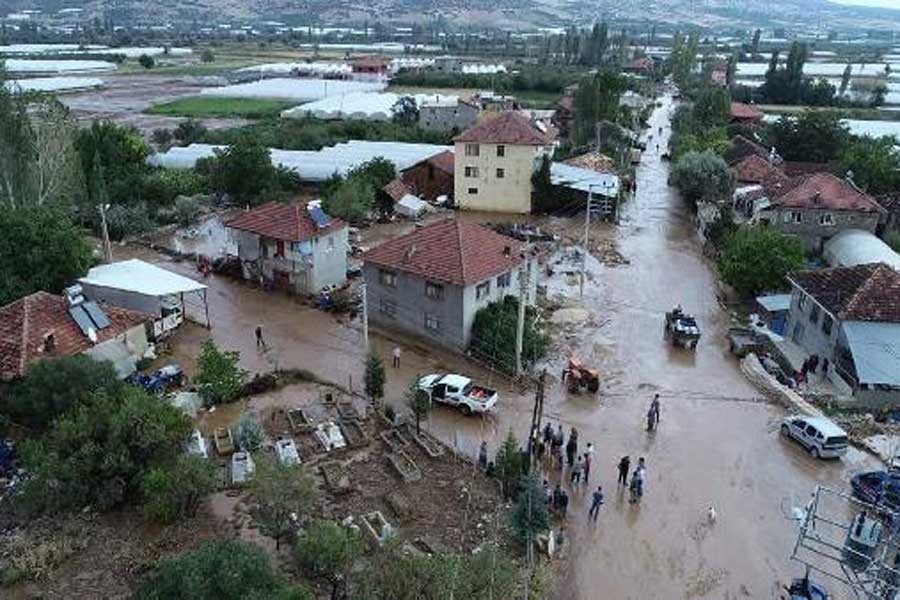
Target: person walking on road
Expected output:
[596,503]
[563,503]
[587,466]
[577,468]
[572,447]
[260,342]
[624,465]
[396,357]
[637,481]
[654,406]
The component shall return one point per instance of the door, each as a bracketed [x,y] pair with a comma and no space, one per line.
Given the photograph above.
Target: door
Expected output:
[438,392]
[809,436]
[281,280]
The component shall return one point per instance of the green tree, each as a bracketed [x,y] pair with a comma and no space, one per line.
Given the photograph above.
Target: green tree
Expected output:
[351,200]
[813,136]
[754,45]
[112,161]
[146,61]
[597,99]
[17,148]
[530,515]
[189,131]
[99,452]
[874,162]
[162,137]
[219,378]
[405,111]
[219,570]
[245,171]
[712,106]
[374,377]
[845,78]
[51,387]
[329,551]
[494,335]
[207,56]
[509,465]
[176,490]
[418,401]
[756,259]
[280,493]
[703,177]
[40,249]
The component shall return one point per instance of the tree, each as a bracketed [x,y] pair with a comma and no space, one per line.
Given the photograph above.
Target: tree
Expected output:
[703,177]
[845,78]
[219,570]
[244,170]
[509,465]
[40,249]
[328,550]
[418,401]
[219,378]
[146,61]
[813,136]
[98,453]
[189,131]
[162,137]
[597,99]
[17,148]
[352,200]
[175,491]
[712,106]
[281,493]
[207,56]
[374,378]
[405,111]
[874,162]
[113,158]
[530,515]
[754,46]
[494,335]
[53,386]
[757,258]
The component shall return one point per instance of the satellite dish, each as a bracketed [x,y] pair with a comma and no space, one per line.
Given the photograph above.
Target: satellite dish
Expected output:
[92,335]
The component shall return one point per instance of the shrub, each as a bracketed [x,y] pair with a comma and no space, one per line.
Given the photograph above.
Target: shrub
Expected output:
[494,335]
[175,491]
[353,200]
[530,515]
[219,378]
[189,131]
[757,258]
[248,433]
[187,209]
[374,377]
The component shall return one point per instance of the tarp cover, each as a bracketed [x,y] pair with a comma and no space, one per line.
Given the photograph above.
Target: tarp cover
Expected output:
[876,351]
[141,278]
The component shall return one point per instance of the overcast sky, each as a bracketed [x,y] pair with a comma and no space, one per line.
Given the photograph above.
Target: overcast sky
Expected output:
[895,4]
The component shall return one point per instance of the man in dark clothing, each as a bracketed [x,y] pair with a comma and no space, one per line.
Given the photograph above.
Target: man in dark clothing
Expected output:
[624,464]
[596,503]
[557,497]
[260,342]
[563,503]
[548,434]
[571,449]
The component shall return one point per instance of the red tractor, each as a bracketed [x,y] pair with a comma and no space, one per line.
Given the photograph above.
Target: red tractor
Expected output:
[580,377]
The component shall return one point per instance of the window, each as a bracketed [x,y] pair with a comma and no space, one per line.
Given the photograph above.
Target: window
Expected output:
[794,216]
[826,219]
[330,244]
[388,308]
[432,323]
[388,278]
[473,191]
[801,301]
[827,322]
[279,248]
[482,290]
[434,291]
[471,171]
[472,150]
[814,314]
[501,150]
[503,280]
[501,173]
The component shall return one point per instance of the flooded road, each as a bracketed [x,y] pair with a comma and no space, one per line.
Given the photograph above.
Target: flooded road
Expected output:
[717,444]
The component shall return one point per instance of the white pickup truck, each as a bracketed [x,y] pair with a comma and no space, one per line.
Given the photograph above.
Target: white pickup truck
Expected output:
[458,390]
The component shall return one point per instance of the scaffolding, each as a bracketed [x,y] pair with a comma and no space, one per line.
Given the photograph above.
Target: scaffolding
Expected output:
[853,542]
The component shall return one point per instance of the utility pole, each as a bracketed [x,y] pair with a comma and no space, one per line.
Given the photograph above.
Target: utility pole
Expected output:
[365,317]
[107,247]
[584,250]
[536,415]
[524,284]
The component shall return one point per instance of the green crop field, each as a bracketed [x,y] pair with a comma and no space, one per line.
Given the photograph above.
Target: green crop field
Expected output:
[209,106]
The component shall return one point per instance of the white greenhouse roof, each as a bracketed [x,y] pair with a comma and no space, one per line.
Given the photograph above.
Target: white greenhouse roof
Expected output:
[140,277]
[314,165]
[54,84]
[368,106]
[286,68]
[18,65]
[853,247]
[876,351]
[301,90]
[584,180]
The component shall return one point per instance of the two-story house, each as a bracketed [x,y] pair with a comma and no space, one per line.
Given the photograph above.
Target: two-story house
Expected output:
[495,161]
[291,247]
[432,281]
[816,207]
[850,317]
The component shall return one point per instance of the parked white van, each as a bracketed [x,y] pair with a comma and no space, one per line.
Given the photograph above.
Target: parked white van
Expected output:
[820,436]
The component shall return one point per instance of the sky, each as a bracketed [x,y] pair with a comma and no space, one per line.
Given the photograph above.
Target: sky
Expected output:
[895,4]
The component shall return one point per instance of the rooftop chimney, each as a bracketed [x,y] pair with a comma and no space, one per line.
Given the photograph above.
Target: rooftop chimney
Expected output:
[410,252]
[507,251]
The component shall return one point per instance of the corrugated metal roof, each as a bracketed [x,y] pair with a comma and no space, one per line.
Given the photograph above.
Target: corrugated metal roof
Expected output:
[775,302]
[876,351]
[584,180]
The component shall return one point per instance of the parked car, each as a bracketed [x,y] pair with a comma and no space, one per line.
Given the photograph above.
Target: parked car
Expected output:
[160,380]
[819,435]
[881,488]
[460,391]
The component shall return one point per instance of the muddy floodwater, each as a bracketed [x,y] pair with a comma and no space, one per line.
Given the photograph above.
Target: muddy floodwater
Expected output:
[717,444]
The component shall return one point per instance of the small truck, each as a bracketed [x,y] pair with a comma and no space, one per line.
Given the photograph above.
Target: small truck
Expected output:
[459,391]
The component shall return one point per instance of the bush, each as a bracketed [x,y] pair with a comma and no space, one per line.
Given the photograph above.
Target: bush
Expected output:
[703,177]
[161,137]
[374,378]
[353,200]
[219,378]
[329,551]
[494,335]
[282,493]
[161,187]
[187,209]
[248,433]
[175,491]
[146,61]
[893,240]
[128,220]
[189,131]
[757,258]
[530,515]
[53,386]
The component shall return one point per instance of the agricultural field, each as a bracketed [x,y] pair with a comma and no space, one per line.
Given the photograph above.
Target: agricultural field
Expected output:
[209,106]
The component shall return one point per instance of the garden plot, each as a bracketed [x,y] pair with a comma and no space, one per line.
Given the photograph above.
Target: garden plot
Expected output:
[301,90]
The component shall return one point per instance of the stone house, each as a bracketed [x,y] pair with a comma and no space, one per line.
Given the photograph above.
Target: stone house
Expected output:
[447,116]
[294,248]
[430,283]
[850,316]
[448,64]
[428,179]
[816,207]
[495,161]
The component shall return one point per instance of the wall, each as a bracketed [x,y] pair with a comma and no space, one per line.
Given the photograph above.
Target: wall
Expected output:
[810,232]
[814,340]
[471,303]
[411,306]
[123,299]
[428,182]
[510,194]
[330,259]
[448,118]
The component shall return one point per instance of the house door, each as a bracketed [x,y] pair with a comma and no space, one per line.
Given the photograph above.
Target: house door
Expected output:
[281,280]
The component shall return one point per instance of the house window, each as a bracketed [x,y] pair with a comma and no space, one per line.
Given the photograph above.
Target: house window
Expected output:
[801,301]
[434,291]
[279,248]
[432,323]
[501,150]
[388,278]
[482,290]
[826,219]
[794,216]
[814,314]
[471,171]
[827,322]
[330,244]
[388,308]
[472,150]
[503,280]
[473,191]
[501,173]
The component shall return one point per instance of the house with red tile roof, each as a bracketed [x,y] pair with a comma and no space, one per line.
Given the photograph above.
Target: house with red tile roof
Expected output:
[815,207]
[755,169]
[41,325]
[850,318]
[428,179]
[745,113]
[291,247]
[431,281]
[495,161]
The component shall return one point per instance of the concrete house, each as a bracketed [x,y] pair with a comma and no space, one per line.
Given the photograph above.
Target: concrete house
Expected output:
[495,161]
[816,207]
[428,179]
[850,316]
[294,248]
[43,325]
[450,116]
[432,281]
